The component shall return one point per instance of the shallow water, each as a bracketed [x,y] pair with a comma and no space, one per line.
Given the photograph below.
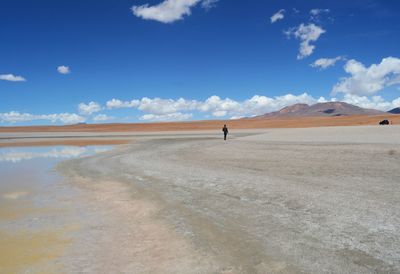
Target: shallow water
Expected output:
[39,212]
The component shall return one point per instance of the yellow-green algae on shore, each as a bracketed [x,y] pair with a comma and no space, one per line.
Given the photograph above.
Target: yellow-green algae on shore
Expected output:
[26,249]
[35,251]
[9,210]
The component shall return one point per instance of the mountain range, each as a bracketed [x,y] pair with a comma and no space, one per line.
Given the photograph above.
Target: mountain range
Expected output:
[328,109]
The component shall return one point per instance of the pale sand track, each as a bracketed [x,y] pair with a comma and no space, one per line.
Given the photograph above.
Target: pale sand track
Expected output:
[319,200]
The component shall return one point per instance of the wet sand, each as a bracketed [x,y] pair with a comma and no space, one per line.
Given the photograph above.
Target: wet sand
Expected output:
[318,200]
[35,228]
[40,213]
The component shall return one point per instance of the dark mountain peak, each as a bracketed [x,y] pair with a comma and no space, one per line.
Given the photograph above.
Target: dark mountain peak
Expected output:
[394,111]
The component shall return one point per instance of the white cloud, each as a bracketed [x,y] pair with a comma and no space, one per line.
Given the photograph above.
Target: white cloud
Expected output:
[102,118]
[115,103]
[258,105]
[324,63]
[374,102]
[306,34]
[369,80]
[63,69]
[236,117]
[220,113]
[167,11]
[208,4]
[219,107]
[64,118]
[278,16]
[155,106]
[315,12]
[88,109]
[177,116]
[159,109]
[165,106]
[12,78]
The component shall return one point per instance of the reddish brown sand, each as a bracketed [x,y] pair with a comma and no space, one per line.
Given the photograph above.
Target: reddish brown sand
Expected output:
[297,122]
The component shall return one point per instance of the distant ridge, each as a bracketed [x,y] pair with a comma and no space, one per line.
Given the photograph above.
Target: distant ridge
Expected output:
[394,111]
[328,109]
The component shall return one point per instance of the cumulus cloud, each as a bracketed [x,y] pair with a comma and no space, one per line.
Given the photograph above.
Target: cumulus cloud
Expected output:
[263,104]
[177,116]
[155,105]
[306,34]
[88,109]
[218,107]
[116,103]
[102,118]
[169,11]
[64,118]
[159,109]
[162,109]
[63,69]
[369,80]
[324,63]
[374,102]
[12,78]
[277,16]
[166,106]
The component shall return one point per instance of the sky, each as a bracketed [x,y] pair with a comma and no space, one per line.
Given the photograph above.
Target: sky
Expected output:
[103,61]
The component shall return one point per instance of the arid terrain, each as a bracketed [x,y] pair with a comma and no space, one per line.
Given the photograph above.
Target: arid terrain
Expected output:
[274,201]
[287,122]
[200,137]
[278,200]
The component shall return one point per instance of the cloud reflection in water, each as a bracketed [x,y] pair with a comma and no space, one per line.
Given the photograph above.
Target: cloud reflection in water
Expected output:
[16,155]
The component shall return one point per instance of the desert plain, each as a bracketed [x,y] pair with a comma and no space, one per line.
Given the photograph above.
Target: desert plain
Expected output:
[268,200]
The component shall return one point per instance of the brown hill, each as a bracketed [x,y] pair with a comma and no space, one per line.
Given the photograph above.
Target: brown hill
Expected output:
[284,122]
[329,109]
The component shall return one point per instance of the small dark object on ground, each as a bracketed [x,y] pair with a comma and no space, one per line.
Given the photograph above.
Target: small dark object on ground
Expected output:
[384,122]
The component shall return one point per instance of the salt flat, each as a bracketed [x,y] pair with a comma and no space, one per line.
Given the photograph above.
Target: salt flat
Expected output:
[317,200]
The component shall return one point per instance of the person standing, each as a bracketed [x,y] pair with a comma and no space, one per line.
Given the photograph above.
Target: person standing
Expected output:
[225,130]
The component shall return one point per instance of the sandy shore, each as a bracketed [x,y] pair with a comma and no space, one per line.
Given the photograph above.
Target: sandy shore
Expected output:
[273,201]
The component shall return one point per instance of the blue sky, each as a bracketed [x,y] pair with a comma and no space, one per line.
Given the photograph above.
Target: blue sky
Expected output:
[65,61]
